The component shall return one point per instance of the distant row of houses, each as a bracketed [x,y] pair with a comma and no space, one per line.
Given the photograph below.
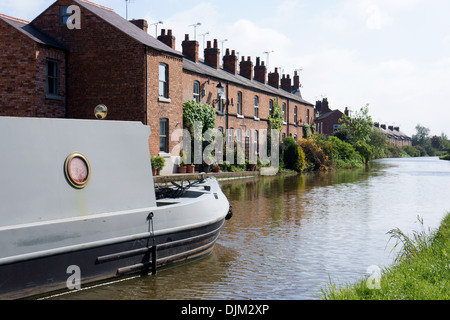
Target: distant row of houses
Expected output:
[64,63]
[327,122]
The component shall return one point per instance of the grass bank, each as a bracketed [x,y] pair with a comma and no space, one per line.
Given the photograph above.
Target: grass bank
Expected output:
[421,270]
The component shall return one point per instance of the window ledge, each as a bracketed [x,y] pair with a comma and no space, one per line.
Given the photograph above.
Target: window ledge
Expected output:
[165,100]
[284,122]
[53,97]
[240,116]
[256,118]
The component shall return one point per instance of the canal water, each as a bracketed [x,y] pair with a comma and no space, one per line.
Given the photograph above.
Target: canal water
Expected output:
[289,236]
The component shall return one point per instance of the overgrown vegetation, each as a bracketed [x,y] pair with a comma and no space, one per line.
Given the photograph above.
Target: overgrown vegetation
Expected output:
[354,144]
[420,270]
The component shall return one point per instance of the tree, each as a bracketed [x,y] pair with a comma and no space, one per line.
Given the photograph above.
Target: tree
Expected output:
[421,137]
[357,127]
[422,140]
[276,116]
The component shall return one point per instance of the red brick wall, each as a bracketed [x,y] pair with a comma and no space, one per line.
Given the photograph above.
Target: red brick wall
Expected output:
[23,76]
[248,105]
[171,109]
[105,66]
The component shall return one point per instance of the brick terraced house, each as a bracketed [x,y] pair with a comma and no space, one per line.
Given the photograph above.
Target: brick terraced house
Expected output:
[32,71]
[63,65]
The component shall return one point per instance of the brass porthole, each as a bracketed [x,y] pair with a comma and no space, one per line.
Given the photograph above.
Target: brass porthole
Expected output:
[77,170]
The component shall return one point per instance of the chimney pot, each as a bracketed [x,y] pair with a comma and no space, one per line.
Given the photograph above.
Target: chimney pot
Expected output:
[168,39]
[246,68]
[141,23]
[190,48]
[286,83]
[230,61]
[212,55]
[274,79]
[260,71]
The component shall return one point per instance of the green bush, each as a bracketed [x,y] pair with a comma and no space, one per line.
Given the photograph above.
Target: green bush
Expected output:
[345,154]
[158,162]
[290,152]
[299,165]
[411,151]
[315,157]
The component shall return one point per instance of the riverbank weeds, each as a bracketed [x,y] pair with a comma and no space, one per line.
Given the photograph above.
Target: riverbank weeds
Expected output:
[421,270]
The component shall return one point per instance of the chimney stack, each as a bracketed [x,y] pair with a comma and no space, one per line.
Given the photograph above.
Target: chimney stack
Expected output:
[246,68]
[319,106]
[274,79]
[296,81]
[325,107]
[260,71]
[141,23]
[212,55]
[286,83]
[230,61]
[190,48]
[168,39]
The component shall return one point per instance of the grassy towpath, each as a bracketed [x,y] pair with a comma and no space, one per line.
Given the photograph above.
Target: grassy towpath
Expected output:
[420,271]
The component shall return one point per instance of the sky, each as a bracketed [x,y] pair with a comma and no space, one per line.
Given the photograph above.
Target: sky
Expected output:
[393,55]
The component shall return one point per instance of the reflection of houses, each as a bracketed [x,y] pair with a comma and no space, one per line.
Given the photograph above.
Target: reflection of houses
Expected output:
[327,120]
[394,134]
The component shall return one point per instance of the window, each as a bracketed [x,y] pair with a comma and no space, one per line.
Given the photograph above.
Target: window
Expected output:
[270,105]
[295,115]
[284,113]
[307,115]
[230,136]
[64,15]
[220,106]
[197,91]
[52,85]
[256,107]
[239,103]
[163,80]
[164,135]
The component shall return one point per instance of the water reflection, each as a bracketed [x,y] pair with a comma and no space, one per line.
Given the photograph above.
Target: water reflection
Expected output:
[289,235]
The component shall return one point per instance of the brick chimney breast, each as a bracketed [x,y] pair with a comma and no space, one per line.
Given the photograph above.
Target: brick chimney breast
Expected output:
[260,71]
[286,83]
[141,23]
[246,68]
[168,39]
[212,55]
[274,79]
[190,48]
[296,80]
[230,61]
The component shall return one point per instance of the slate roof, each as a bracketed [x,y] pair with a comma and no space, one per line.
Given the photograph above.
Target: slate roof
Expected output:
[204,69]
[33,33]
[327,114]
[126,27]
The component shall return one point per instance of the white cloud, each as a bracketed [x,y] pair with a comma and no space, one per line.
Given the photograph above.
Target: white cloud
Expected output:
[376,18]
